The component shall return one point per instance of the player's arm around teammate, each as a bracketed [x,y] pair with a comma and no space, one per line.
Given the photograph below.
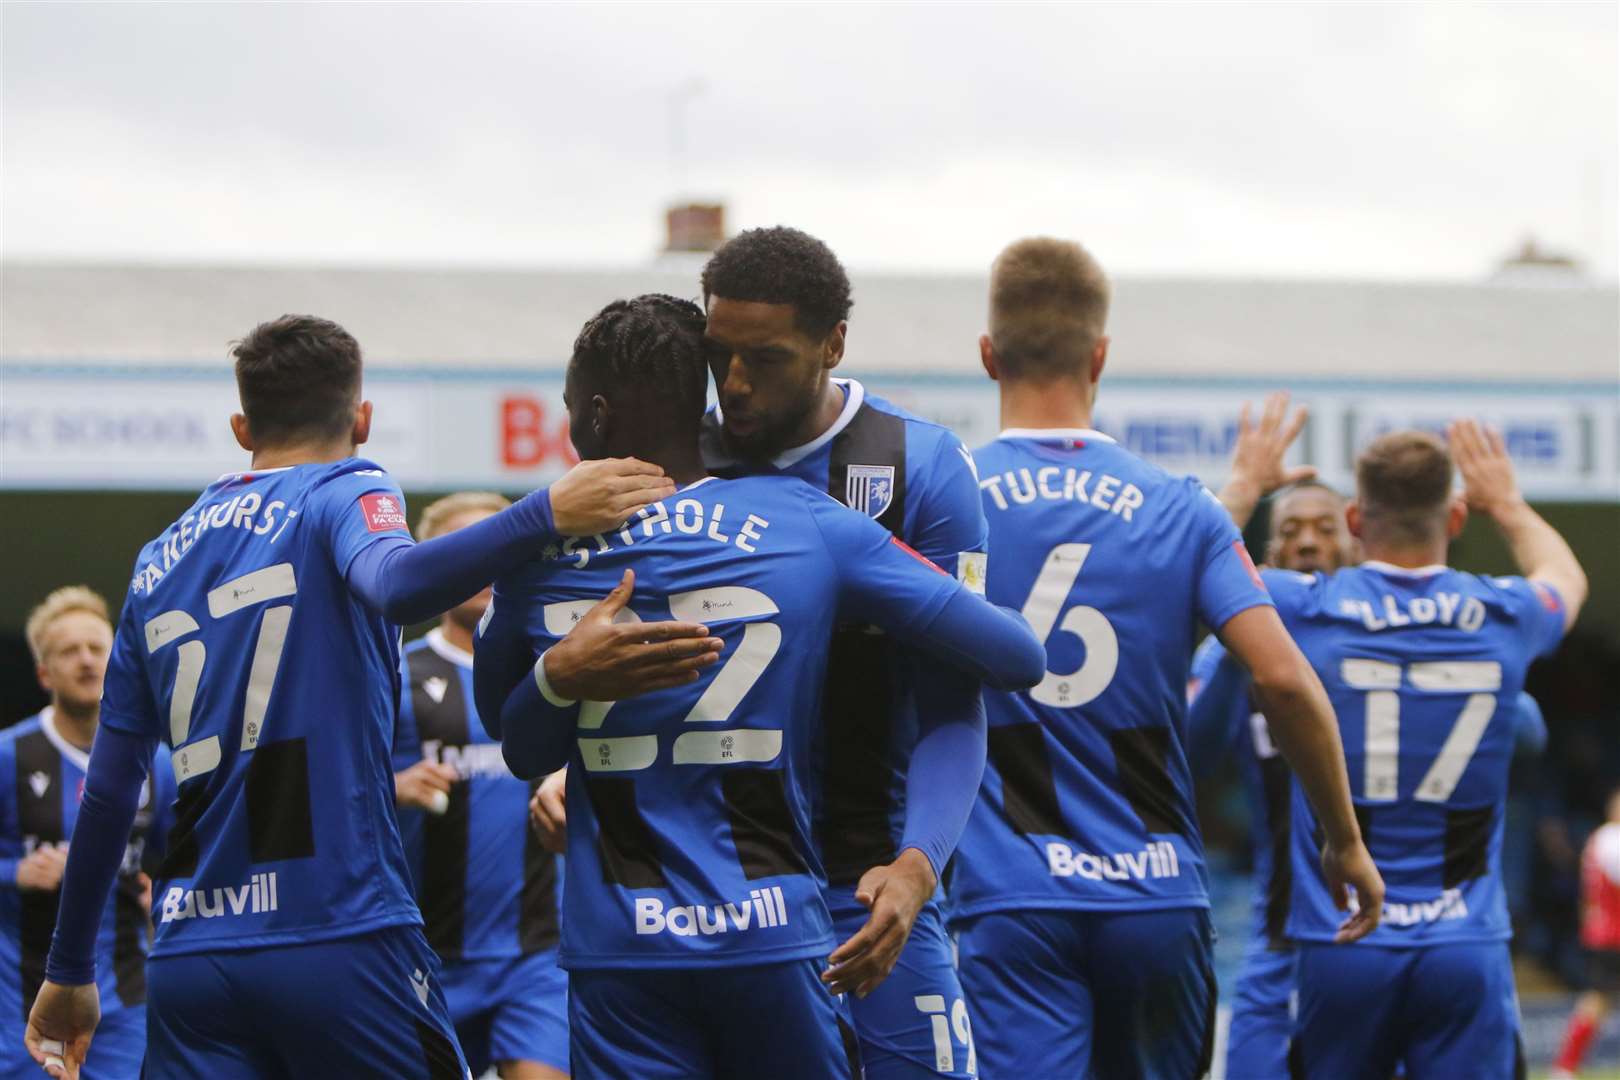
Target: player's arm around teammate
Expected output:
[398,579]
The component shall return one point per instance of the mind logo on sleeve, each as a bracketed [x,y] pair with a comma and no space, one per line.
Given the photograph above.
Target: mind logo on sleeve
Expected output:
[382,512]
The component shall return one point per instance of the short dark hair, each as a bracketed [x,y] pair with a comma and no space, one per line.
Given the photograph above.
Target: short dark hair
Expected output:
[299,378]
[1403,482]
[652,343]
[1048,307]
[780,265]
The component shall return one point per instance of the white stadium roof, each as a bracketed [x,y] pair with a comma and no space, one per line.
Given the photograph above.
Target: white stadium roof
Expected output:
[515,319]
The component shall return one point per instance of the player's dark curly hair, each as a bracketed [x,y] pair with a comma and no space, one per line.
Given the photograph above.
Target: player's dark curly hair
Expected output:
[299,377]
[780,265]
[652,342]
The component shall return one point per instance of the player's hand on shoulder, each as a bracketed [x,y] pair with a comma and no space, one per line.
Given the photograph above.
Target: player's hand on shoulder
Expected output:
[41,869]
[1489,485]
[60,1026]
[425,785]
[595,496]
[1350,866]
[548,812]
[604,660]
[894,894]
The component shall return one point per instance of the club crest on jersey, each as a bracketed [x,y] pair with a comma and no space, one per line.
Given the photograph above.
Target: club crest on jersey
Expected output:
[40,784]
[382,512]
[869,489]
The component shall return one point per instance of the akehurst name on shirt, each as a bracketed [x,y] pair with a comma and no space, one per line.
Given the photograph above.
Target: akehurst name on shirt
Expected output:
[245,511]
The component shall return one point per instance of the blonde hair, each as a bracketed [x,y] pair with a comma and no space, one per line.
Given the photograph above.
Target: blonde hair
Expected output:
[1048,307]
[440,511]
[64,601]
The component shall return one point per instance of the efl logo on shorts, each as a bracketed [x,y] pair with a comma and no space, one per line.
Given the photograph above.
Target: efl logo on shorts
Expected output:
[382,512]
[763,908]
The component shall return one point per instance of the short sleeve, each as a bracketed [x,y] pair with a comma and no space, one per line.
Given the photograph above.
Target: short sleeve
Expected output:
[1228,582]
[128,703]
[355,510]
[881,579]
[1540,610]
[946,522]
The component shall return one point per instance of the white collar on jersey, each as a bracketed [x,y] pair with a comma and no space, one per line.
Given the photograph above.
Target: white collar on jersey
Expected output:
[254,472]
[47,724]
[1405,571]
[1077,434]
[456,655]
[854,396]
[699,482]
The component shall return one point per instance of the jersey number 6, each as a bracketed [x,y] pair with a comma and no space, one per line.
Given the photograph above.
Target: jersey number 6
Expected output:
[1046,599]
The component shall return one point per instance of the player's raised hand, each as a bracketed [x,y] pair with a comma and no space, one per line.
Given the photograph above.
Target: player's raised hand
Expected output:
[1489,484]
[1257,457]
[1351,866]
[548,812]
[426,785]
[894,894]
[605,659]
[595,496]
[60,1026]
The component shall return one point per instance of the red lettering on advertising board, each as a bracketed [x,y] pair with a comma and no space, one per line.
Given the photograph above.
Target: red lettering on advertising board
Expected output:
[529,438]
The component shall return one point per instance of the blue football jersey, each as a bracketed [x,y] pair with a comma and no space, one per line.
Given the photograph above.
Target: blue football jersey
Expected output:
[1424,668]
[1236,724]
[915,479]
[41,782]
[1087,799]
[480,898]
[241,647]
[690,808]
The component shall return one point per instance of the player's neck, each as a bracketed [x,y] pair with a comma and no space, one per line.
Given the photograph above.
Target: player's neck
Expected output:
[1406,556]
[682,463]
[456,634]
[317,453]
[1056,403]
[76,726]
[829,407]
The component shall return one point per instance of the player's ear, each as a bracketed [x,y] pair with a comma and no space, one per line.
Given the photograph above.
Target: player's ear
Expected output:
[832,349]
[1352,517]
[1099,358]
[601,420]
[239,428]
[362,424]
[1456,518]
[987,357]
[42,673]
[1273,550]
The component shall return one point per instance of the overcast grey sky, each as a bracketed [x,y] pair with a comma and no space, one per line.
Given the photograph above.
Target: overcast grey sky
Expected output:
[1410,141]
